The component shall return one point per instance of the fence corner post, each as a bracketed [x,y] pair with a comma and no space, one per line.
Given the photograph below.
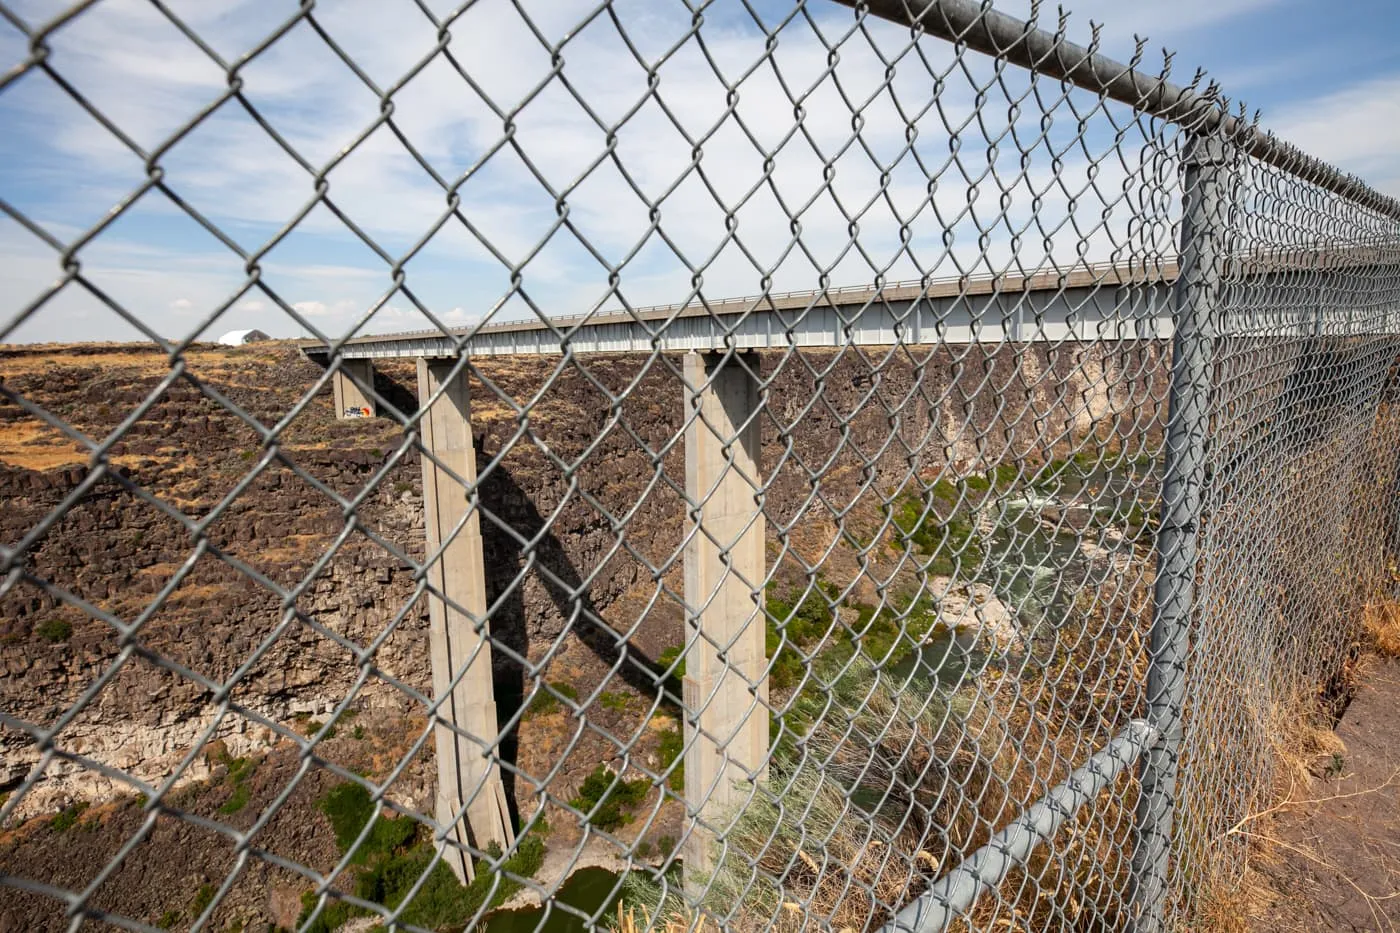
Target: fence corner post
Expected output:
[1208,161]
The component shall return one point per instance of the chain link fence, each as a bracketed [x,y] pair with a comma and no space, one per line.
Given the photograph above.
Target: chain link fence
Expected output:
[965,576]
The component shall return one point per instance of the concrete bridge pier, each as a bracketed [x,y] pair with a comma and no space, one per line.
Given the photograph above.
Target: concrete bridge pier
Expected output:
[352,401]
[467,771]
[726,692]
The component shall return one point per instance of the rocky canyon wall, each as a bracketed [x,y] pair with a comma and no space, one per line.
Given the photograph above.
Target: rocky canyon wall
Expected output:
[206,562]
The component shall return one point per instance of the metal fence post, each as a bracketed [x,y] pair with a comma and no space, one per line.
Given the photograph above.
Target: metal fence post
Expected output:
[1196,297]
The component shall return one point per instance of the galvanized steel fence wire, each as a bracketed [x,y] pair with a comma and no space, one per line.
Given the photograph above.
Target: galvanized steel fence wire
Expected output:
[835,608]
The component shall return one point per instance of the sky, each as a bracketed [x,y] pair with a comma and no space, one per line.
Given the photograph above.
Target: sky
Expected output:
[391,165]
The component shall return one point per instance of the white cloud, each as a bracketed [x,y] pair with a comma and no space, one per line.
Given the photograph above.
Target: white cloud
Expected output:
[1121,22]
[1356,127]
[324,309]
[311,308]
[937,208]
[390,318]
[181,304]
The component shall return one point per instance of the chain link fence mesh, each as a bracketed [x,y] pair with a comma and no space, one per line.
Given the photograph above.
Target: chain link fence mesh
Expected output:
[800,611]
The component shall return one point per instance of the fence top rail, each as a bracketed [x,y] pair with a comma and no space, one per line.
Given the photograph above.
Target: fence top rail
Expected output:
[983,29]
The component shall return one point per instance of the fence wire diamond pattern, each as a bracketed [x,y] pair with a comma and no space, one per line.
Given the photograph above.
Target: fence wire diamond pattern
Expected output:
[959,577]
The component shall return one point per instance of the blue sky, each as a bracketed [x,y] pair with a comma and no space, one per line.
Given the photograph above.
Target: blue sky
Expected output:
[1327,76]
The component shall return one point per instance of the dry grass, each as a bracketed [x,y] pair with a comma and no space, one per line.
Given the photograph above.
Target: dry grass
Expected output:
[146,359]
[298,549]
[631,919]
[1299,741]
[855,817]
[32,445]
[1227,908]
[1382,623]
[869,806]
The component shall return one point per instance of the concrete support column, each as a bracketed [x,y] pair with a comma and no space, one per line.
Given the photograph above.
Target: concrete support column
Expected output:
[726,693]
[351,401]
[466,773]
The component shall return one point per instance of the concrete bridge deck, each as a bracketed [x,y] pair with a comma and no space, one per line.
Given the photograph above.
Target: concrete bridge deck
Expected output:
[1091,302]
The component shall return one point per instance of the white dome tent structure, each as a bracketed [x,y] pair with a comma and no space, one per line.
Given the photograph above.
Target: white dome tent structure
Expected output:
[237,338]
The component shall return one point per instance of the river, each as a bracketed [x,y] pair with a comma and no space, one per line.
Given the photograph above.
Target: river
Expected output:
[586,890]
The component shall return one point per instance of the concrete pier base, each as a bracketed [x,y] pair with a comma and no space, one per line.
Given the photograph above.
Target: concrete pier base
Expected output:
[352,401]
[468,774]
[726,713]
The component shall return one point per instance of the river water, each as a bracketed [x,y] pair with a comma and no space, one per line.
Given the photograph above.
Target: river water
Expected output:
[586,890]
[1035,565]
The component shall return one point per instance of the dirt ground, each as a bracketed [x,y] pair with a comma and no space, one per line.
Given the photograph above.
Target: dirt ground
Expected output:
[1331,860]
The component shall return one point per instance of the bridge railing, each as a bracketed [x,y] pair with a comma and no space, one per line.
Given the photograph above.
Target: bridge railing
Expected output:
[992,613]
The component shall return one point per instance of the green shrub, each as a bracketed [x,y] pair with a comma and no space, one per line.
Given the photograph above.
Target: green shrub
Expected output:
[670,656]
[543,702]
[336,914]
[603,796]
[442,902]
[202,899]
[348,806]
[938,529]
[977,484]
[358,733]
[236,801]
[168,919]
[54,630]
[68,817]
[310,727]
[790,629]
[239,770]
[1007,475]
[668,749]
[615,701]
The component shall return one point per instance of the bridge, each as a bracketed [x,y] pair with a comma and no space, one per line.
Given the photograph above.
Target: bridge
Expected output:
[1089,302]
[727,736]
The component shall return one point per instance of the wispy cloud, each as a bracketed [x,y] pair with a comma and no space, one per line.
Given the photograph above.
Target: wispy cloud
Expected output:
[733,163]
[1356,127]
[1120,23]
